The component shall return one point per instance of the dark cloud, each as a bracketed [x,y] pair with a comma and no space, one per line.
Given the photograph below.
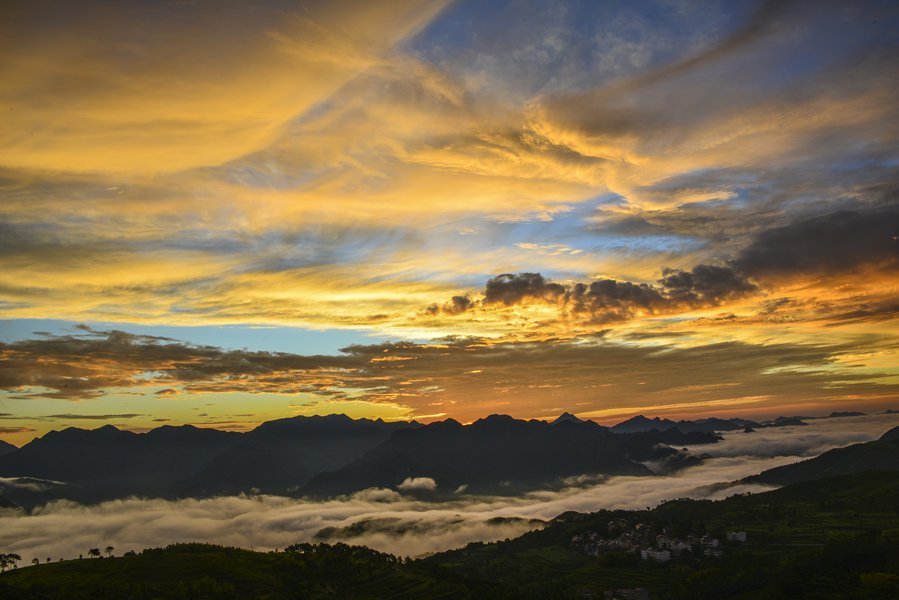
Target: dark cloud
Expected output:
[69,416]
[837,242]
[865,311]
[509,289]
[832,243]
[705,285]
[16,430]
[456,305]
[82,365]
[607,300]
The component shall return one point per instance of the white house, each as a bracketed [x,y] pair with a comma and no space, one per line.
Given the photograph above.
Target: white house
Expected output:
[655,555]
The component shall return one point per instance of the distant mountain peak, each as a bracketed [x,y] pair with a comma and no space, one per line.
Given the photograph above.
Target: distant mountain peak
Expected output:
[495,419]
[642,423]
[445,424]
[566,417]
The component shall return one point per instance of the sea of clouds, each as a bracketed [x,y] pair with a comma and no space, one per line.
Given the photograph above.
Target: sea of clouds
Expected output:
[394,521]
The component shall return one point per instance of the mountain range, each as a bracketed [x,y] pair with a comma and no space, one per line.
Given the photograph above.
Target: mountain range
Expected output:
[499,454]
[276,457]
[330,455]
[327,456]
[711,424]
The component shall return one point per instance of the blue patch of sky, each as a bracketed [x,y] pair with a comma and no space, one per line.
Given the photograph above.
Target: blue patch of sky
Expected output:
[571,45]
[254,338]
[573,228]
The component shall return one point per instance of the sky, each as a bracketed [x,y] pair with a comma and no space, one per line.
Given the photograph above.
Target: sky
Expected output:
[220,213]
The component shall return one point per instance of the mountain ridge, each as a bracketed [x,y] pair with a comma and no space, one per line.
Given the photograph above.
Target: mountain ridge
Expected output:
[881,454]
[315,455]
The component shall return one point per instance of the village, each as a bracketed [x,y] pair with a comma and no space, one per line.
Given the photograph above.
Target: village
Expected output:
[649,544]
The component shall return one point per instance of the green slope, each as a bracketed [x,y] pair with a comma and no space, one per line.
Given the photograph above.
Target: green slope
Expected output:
[195,571]
[850,524]
[879,455]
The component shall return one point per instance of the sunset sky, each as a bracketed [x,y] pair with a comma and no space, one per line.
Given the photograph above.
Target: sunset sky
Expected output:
[224,212]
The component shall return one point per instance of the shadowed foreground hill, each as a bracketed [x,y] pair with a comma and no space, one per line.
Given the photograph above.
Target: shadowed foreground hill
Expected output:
[826,539]
[200,571]
[879,455]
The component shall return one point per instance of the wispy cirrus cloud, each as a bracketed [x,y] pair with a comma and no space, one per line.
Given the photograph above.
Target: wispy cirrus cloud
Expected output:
[142,112]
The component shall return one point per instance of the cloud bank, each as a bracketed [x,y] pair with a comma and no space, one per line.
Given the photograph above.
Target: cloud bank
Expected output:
[410,484]
[392,522]
[609,300]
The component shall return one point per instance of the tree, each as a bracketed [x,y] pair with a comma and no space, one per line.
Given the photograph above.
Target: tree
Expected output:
[8,560]
[35,561]
[94,553]
[109,550]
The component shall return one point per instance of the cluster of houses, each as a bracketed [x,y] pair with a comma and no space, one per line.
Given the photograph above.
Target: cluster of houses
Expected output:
[641,539]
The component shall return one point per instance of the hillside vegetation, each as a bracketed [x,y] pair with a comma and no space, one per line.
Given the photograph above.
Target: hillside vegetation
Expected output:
[831,538]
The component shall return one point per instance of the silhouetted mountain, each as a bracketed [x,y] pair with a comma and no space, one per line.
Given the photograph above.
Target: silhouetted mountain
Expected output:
[566,417]
[641,423]
[785,422]
[107,462]
[500,455]
[182,461]
[330,455]
[279,456]
[6,448]
[879,455]
[850,413]
[710,425]
[715,424]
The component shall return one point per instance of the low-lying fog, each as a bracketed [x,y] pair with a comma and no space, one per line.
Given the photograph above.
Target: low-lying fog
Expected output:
[400,524]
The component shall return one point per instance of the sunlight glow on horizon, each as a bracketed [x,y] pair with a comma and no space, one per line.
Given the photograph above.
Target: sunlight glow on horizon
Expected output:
[663,207]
